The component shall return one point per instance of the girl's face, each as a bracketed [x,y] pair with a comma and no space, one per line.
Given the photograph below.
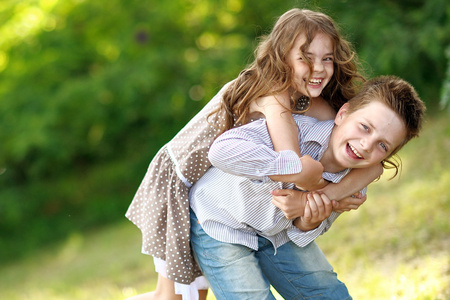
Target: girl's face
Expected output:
[365,137]
[320,53]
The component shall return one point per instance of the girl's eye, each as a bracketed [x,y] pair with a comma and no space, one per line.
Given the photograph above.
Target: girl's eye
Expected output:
[384,147]
[305,58]
[365,127]
[328,59]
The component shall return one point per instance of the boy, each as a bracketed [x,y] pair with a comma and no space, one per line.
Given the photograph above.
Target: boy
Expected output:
[239,230]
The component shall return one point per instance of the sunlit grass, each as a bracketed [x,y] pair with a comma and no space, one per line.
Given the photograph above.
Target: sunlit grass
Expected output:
[104,264]
[394,247]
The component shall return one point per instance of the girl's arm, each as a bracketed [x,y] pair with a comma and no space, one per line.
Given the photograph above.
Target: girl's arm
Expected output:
[283,132]
[354,182]
[280,123]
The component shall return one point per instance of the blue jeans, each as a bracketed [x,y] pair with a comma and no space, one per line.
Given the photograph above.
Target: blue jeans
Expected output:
[238,272]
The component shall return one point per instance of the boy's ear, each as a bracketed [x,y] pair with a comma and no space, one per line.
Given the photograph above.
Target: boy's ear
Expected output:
[341,114]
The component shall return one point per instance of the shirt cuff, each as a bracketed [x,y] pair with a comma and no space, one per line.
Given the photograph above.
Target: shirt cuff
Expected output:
[287,162]
[303,238]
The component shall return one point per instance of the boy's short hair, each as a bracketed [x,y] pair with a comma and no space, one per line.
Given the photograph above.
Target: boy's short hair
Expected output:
[397,94]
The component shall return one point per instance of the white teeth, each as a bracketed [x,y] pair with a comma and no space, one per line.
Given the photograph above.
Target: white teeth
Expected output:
[356,152]
[315,81]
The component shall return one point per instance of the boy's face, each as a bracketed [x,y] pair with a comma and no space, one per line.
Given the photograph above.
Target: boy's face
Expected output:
[320,53]
[365,137]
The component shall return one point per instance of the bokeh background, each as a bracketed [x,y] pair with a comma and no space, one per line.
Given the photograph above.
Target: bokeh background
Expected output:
[91,89]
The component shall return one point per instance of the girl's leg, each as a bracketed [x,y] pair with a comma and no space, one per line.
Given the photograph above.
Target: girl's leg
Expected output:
[165,290]
[301,272]
[232,270]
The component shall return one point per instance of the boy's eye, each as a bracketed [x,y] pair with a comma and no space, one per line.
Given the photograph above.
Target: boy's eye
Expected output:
[385,148]
[365,127]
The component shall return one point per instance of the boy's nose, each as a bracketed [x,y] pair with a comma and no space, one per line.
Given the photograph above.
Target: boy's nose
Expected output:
[366,144]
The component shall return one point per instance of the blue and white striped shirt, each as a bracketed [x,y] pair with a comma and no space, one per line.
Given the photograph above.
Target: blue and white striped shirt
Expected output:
[232,200]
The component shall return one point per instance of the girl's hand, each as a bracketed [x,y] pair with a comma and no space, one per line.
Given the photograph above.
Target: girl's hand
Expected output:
[349,203]
[310,178]
[317,209]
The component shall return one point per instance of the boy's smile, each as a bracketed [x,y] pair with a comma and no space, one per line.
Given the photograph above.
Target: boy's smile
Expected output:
[363,138]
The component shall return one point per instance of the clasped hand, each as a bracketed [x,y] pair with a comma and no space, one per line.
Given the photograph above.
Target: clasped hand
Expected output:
[293,202]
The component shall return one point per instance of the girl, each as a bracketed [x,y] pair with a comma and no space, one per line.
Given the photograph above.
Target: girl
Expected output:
[302,65]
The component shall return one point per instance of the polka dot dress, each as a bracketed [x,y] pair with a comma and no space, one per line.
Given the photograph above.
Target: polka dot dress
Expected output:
[160,207]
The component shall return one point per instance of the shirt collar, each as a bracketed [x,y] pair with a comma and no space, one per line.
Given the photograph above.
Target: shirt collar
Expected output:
[320,133]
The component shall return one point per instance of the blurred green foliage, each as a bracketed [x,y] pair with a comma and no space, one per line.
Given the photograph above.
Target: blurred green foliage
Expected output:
[90,90]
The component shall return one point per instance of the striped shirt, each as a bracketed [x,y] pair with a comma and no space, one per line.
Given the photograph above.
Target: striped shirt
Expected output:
[232,200]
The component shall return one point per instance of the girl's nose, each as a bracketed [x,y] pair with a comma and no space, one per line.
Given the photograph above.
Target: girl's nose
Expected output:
[318,65]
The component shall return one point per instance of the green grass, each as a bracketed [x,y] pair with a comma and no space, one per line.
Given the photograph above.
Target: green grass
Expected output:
[396,246]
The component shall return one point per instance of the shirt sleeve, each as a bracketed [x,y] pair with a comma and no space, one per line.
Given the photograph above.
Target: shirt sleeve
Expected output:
[303,238]
[248,151]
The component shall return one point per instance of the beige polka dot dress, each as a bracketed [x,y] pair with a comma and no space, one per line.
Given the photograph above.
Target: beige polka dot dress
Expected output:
[160,207]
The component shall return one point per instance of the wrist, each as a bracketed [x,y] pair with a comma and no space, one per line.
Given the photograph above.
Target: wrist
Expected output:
[305,226]
[330,191]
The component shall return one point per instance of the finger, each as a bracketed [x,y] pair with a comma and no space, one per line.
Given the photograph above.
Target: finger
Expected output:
[328,205]
[281,192]
[281,200]
[335,204]
[307,214]
[357,195]
[350,207]
[276,203]
[351,201]
[281,205]
[312,198]
[289,215]
[356,201]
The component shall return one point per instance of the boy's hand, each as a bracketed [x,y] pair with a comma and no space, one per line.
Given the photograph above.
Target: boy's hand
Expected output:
[317,209]
[291,202]
[310,178]
[349,203]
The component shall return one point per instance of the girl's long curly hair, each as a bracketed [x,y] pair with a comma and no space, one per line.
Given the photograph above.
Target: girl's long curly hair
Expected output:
[270,72]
